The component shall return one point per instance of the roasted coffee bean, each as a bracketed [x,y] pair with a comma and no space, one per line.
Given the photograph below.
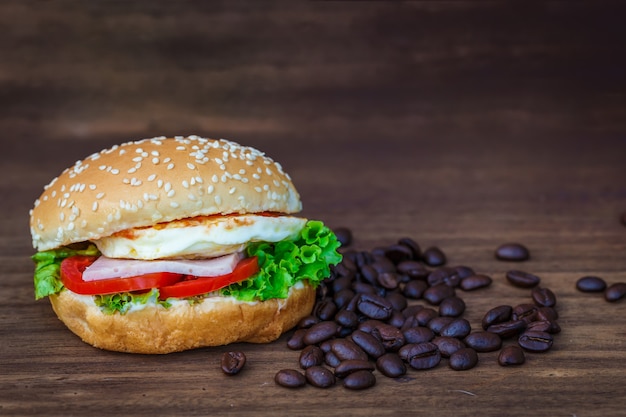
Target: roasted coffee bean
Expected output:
[475,282]
[497,315]
[344,235]
[374,306]
[368,325]
[390,336]
[464,271]
[438,323]
[591,284]
[396,319]
[413,269]
[331,359]
[547,313]
[458,328]
[311,356]
[615,292]
[418,335]
[359,380]
[391,365]
[307,322]
[296,341]
[463,359]
[423,355]
[397,300]
[346,349]
[343,297]
[533,341]
[320,377]
[369,274]
[290,378]
[398,253]
[352,365]
[436,294]
[452,307]
[388,280]
[361,288]
[425,315]
[371,345]
[526,312]
[444,275]
[522,279]
[547,326]
[411,310]
[415,289]
[434,256]
[543,297]
[447,345]
[341,283]
[483,341]
[411,244]
[325,309]
[508,329]
[233,362]
[512,252]
[383,264]
[344,331]
[347,318]
[319,332]
[511,355]
[343,270]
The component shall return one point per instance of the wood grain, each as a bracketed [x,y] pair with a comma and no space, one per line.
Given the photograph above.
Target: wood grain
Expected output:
[460,124]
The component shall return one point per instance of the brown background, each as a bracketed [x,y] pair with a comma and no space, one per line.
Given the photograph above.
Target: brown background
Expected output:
[460,124]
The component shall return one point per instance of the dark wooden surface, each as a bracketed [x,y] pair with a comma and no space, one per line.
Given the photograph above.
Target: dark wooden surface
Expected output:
[460,124]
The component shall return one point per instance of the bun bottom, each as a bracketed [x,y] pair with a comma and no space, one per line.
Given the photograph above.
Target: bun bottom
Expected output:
[156,330]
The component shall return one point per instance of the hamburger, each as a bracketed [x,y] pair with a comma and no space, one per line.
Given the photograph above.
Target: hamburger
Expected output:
[169,244]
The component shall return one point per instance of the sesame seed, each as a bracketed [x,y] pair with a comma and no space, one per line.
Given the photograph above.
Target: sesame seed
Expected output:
[258,189]
[102,167]
[171,193]
[155,153]
[210,189]
[62,216]
[155,160]
[218,200]
[94,206]
[99,195]
[159,183]
[152,177]
[185,183]
[115,171]
[232,190]
[92,186]
[214,178]
[190,165]
[191,196]
[199,180]
[181,148]
[256,176]
[132,170]
[168,187]
[170,166]
[70,226]
[137,159]
[174,204]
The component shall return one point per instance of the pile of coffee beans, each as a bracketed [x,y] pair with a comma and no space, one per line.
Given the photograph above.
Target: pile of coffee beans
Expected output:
[397,308]
[612,293]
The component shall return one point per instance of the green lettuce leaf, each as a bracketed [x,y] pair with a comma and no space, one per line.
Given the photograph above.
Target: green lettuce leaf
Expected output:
[47,277]
[307,257]
[122,302]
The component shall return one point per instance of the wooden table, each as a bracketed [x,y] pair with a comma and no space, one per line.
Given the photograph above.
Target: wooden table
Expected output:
[462,125]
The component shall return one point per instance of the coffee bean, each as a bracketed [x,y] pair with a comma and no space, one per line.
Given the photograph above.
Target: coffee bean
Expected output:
[438,323]
[425,315]
[311,356]
[615,292]
[475,282]
[325,309]
[346,349]
[374,306]
[359,380]
[418,335]
[436,294]
[391,365]
[388,280]
[447,345]
[369,274]
[352,365]
[233,362]
[319,332]
[372,346]
[463,359]
[307,322]
[320,377]
[383,264]
[496,315]
[398,253]
[341,283]
[331,359]
[452,307]
[368,325]
[444,275]
[290,378]
[347,318]
[522,279]
[508,329]
[411,244]
[343,297]
[413,269]
[415,289]
[533,341]
[397,300]
[483,341]
[422,355]
[547,313]
[548,326]
[525,311]
[543,297]
[458,328]
[434,256]
[464,271]
[411,310]
[511,355]
[591,284]
[296,341]
[391,337]
[512,252]
[344,235]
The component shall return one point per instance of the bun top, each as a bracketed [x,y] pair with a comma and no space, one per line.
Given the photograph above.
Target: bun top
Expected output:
[157,180]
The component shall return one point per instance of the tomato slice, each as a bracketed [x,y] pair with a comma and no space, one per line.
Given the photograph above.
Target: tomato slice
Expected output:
[72,277]
[202,285]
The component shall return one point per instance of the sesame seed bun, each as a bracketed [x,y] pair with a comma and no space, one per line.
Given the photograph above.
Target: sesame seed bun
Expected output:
[213,322]
[157,180]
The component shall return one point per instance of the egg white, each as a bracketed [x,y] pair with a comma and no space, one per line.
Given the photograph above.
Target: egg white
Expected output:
[201,238]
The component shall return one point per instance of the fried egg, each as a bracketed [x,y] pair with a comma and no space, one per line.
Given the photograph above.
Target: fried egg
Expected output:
[199,237]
